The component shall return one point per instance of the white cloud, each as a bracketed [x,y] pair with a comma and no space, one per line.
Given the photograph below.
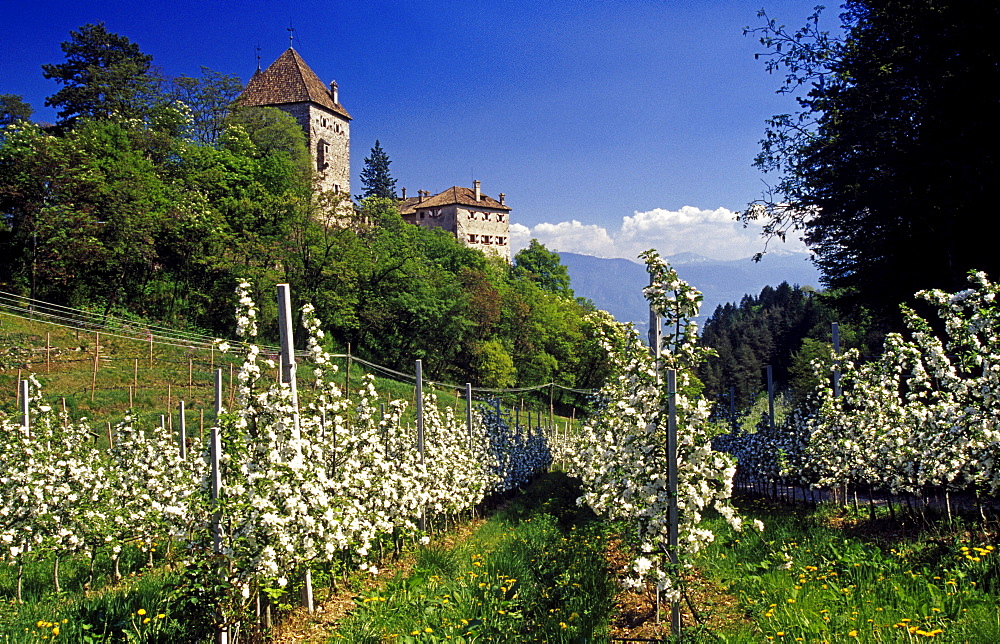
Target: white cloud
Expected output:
[712,233]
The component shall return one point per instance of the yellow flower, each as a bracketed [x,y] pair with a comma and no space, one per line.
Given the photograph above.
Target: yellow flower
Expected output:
[852,634]
[55,631]
[141,611]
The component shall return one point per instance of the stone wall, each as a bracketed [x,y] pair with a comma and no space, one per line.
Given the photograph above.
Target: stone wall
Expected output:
[329,141]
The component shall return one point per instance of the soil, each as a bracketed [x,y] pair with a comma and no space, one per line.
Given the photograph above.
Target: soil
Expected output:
[636,610]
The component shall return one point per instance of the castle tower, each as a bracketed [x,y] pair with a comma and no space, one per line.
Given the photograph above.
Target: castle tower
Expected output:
[292,87]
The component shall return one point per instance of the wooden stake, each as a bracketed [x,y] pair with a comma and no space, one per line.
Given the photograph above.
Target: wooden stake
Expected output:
[201,426]
[65,415]
[150,349]
[111,443]
[17,388]
[135,375]
[190,375]
[93,380]
[131,403]
[48,350]
[97,348]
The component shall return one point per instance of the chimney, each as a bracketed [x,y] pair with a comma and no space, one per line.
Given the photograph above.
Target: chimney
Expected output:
[420,196]
[475,184]
[333,90]
[502,195]
[404,193]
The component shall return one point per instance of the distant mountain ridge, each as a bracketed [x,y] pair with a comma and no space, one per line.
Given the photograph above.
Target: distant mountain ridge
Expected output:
[615,285]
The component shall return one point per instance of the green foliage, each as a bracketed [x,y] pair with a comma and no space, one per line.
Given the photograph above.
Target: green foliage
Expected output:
[208,98]
[760,331]
[494,365]
[273,133]
[802,377]
[105,75]
[375,175]
[889,198]
[543,267]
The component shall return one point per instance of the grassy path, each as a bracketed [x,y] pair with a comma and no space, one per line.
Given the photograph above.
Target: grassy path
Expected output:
[535,571]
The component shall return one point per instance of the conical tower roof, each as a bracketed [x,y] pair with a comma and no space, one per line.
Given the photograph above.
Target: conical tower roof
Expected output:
[289,80]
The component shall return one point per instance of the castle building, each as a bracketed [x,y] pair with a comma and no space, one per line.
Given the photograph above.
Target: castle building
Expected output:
[289,85]
[476,220]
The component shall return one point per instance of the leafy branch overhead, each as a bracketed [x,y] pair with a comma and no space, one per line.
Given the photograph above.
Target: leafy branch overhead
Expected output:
[884,167]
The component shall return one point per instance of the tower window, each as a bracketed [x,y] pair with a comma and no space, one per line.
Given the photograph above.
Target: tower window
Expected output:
[321,155]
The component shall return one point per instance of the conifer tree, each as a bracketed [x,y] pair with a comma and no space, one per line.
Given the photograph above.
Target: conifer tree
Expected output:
[104,75]
[375,176]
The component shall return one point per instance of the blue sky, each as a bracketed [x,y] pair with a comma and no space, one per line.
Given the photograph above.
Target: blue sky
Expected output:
[611,126]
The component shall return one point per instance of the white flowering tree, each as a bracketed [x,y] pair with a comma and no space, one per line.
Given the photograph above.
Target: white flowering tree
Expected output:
[922,416]
[621,455]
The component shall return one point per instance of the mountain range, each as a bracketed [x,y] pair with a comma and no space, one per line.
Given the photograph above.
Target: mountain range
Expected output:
[615,285]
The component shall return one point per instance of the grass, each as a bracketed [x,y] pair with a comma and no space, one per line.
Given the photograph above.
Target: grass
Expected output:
[534,572]
[809,578]
[133,609]
[154,387]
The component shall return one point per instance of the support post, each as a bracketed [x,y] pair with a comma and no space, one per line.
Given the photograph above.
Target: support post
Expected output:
[25,410]
[288,377]
[675,606]
[288,351]
[215,454]
[770,395]
[468,409]
[420,430]
[183,430]
[732,407]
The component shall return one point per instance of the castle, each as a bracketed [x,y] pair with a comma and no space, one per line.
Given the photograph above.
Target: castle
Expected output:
[476,220]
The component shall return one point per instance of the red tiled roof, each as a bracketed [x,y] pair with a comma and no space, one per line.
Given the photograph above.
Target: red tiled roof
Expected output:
[289,80]
[454,195]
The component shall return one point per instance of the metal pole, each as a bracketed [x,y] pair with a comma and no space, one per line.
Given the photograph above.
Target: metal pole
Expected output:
[288,377]
[468,409]
[288,349]
[218,394]
[675,607]
[25,417]
[420,430]
[732,407]
[770,394]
